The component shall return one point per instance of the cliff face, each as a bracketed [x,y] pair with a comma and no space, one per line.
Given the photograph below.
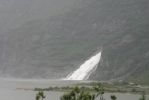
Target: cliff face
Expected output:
[53,45]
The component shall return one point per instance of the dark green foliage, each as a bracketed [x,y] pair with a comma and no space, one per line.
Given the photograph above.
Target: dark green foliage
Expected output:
[113,97]
[99,91]
[80,94]
[40,95]
[143,96]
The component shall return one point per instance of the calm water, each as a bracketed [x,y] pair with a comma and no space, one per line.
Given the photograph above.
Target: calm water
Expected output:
[9,91]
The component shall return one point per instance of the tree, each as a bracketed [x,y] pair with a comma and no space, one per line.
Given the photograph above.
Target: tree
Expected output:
[40,95]
[143,96]
[80,94]
[113,97]
[99,91]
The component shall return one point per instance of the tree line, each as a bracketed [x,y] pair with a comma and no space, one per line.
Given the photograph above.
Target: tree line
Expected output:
[80,93]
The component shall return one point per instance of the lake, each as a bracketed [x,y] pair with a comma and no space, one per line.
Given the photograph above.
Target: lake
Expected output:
[9,90]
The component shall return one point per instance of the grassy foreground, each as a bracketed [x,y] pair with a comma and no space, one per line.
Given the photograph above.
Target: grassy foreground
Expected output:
[91,91]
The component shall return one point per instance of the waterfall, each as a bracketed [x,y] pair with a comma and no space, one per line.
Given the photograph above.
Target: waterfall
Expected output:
[84,71]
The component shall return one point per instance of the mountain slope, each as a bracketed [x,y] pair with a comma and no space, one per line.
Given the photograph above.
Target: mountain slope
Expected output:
[52,46]
[121,28]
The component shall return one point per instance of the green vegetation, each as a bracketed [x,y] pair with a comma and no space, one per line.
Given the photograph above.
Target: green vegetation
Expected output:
[113,97]
[40,95]
[78,94]
[121,87]
[95,92]
[143,96]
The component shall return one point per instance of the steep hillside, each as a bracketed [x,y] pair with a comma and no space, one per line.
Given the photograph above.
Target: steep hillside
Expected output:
[120,27]
[53,46]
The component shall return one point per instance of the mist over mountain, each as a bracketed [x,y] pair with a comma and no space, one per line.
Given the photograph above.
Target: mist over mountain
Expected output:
[51,38]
